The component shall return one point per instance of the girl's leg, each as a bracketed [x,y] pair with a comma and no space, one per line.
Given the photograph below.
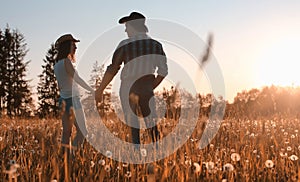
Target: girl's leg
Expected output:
[67,123]
[81,130]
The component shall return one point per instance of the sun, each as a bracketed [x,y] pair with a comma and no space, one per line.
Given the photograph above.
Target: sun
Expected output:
[279,64]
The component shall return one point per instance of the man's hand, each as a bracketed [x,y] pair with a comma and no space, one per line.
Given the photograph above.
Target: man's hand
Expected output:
[98,96]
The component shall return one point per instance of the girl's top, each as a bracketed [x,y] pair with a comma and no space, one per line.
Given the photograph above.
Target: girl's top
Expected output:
[68,88]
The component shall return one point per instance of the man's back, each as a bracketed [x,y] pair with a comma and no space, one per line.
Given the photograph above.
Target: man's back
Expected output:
[141,56]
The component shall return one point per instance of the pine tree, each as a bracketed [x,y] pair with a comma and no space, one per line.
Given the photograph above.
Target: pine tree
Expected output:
[2,72]
[48,92]
[16,94]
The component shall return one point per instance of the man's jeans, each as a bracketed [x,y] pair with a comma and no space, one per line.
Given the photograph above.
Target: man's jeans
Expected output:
[138,101]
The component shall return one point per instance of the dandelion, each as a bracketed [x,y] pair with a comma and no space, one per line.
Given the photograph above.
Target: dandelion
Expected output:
[283,154]
[12,162]
[196,167]
[289,148]
[144,152]
[228,167]
[92,164]
[293,157]
[194,139]
[188,162]
[210,165]
[235,157]
[107,168]
[108,154]
[269,164]
[101,162]
[128,174]
[171,163]
[292,136]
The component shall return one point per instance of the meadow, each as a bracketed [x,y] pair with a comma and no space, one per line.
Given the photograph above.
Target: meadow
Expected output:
[265,149]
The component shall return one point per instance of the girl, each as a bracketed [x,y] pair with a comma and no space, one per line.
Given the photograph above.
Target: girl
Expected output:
[69,91]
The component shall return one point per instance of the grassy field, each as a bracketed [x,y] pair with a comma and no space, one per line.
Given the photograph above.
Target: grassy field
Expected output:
[242,150]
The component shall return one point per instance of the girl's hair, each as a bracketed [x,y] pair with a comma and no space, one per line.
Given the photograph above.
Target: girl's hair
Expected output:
[64,50]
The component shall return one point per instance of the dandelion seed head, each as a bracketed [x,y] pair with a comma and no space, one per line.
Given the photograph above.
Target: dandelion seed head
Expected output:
[289,148]
[107,168]
[92,164]
[228,167]
[283,154]
[293,157]
[128,174]
[125,165]
[292,136]
[269,164]
[101,162]
[235,157]
[108,154]
[12,162]
[210,165]
[171,163]
[196,167]
[188,162]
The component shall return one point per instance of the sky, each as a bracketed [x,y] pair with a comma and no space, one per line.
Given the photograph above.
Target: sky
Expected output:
[255,42]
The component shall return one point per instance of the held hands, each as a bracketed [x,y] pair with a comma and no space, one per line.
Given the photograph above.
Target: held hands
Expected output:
[98,96]
[92,92]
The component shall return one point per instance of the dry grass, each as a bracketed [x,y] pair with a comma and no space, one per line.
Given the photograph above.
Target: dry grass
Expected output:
[243,150]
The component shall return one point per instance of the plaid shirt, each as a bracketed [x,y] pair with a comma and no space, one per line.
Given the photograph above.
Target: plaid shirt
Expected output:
[141,55]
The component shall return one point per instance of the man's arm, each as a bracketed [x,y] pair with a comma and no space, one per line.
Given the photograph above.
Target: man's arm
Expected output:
[109,74]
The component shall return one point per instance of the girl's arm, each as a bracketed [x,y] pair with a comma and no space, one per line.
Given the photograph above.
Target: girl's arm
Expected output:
[72,72]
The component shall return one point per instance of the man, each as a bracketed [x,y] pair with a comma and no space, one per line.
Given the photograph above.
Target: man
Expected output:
[141,56]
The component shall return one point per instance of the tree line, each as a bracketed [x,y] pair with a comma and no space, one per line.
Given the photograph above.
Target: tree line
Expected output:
[16,92]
